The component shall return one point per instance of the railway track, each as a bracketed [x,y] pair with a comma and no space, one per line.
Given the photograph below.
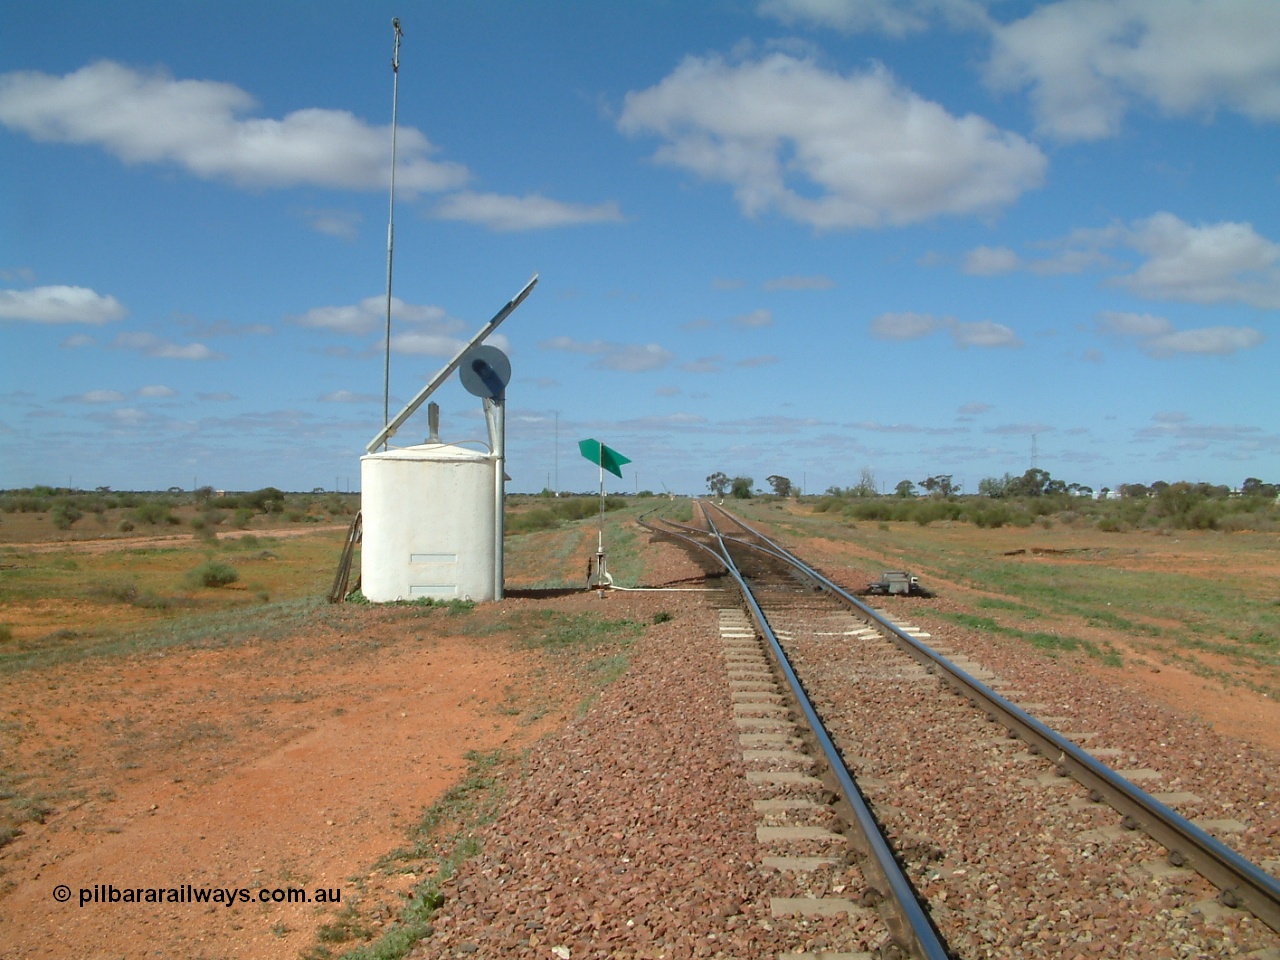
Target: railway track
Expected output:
[978,826]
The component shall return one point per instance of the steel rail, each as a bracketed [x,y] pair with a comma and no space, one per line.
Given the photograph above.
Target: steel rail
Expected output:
[909,923]
[1242,883]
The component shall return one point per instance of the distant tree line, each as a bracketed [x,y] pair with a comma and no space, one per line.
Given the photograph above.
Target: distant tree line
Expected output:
[202,509]
[1037,497]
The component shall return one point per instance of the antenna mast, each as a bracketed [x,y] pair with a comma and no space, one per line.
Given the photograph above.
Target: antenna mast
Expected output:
[391,219]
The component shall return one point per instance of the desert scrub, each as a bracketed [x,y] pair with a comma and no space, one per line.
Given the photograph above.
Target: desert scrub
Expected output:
[214,573]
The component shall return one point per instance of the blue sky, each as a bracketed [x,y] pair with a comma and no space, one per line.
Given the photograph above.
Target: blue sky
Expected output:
[802,237]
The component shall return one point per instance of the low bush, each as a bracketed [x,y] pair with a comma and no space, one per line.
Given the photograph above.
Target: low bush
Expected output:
[64,515]
[559,511]
[153,513]
[215,573]
[990,517]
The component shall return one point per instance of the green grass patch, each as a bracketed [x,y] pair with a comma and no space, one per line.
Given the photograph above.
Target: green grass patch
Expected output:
[454,605]
[972,621]
[560,632]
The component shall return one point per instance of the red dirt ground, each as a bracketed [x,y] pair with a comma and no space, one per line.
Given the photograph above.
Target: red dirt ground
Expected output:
[293,763]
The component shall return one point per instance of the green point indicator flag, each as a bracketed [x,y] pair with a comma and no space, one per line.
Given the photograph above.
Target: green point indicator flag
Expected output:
[603,456]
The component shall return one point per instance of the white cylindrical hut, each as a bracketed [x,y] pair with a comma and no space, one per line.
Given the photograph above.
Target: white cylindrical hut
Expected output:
[429,524]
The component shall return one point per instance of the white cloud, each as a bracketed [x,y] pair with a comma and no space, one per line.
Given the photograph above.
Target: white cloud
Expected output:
[1157,337]
[157,390]
[615,356]
[990,261]
[533,212]
[1087,63]
[1205,264]
[974,408]
[983,333]
[59,304]
[151,345]
[903,326]
[200,126]
[78,341]
[818,282]
[760,361]
[756,318]
[1219,341]
[370,315]
[917,326]
[18,275]
[829,150]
